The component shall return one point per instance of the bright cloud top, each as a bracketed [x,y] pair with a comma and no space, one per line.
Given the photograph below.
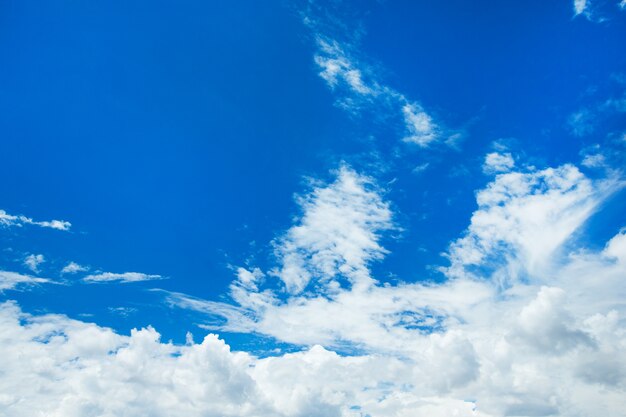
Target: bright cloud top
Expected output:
[9,220]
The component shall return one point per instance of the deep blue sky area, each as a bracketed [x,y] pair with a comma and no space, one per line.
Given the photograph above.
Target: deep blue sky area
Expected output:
[174,135]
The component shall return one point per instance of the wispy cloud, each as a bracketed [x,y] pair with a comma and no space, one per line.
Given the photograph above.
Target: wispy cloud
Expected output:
[597,11]
[11,280]
[120,277]
[8,220]
[358,88]
[33,261]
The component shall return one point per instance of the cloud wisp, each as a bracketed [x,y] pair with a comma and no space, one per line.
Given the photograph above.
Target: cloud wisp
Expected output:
[13,280]
[359,89]
[124,277]
[9,220]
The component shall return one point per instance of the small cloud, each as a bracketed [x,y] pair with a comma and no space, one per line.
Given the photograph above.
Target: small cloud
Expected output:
[497,163]
[73,267]
[420,168]
[122,311]
[579,6]
[9,220]
[580,123]
[594,161]
[422,130]
[33,261]
[123,277]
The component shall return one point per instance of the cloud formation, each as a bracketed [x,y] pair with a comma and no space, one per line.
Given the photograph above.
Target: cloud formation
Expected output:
[12,280]
[73,268]
[357,86]
[120,277]
[33,261]
[9,220]
[517,313]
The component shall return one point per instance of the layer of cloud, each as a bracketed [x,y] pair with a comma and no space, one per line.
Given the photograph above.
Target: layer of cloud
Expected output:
[124,277]
[9,220]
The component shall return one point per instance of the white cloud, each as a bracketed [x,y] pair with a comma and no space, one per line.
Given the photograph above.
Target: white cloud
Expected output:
[421,128]
[420,168]
[73,268]
[8,220]
[337,68]
[594,161]
[123,277]
[497,163]
[358,87]
[581,122]
[527,216]
[485,341]
[11,280]
[337,235]
[33,261]
[579,6]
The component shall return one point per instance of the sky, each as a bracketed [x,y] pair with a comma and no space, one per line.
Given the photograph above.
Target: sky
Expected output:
[312,208]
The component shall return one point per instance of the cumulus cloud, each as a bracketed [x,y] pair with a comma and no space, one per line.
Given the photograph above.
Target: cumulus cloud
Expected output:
[498,162]
[120,277]
[73,268]
[33,261]
[487,340]
[9,220]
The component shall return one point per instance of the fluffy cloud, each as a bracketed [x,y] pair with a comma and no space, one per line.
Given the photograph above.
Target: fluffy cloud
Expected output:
[120,277]
[524,217]
[498,162]
[8,220]
[518,326]
[337,234]
[73,268]
[526,322]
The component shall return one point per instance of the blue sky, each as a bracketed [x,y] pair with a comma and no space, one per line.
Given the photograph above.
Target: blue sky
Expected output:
[359,185]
